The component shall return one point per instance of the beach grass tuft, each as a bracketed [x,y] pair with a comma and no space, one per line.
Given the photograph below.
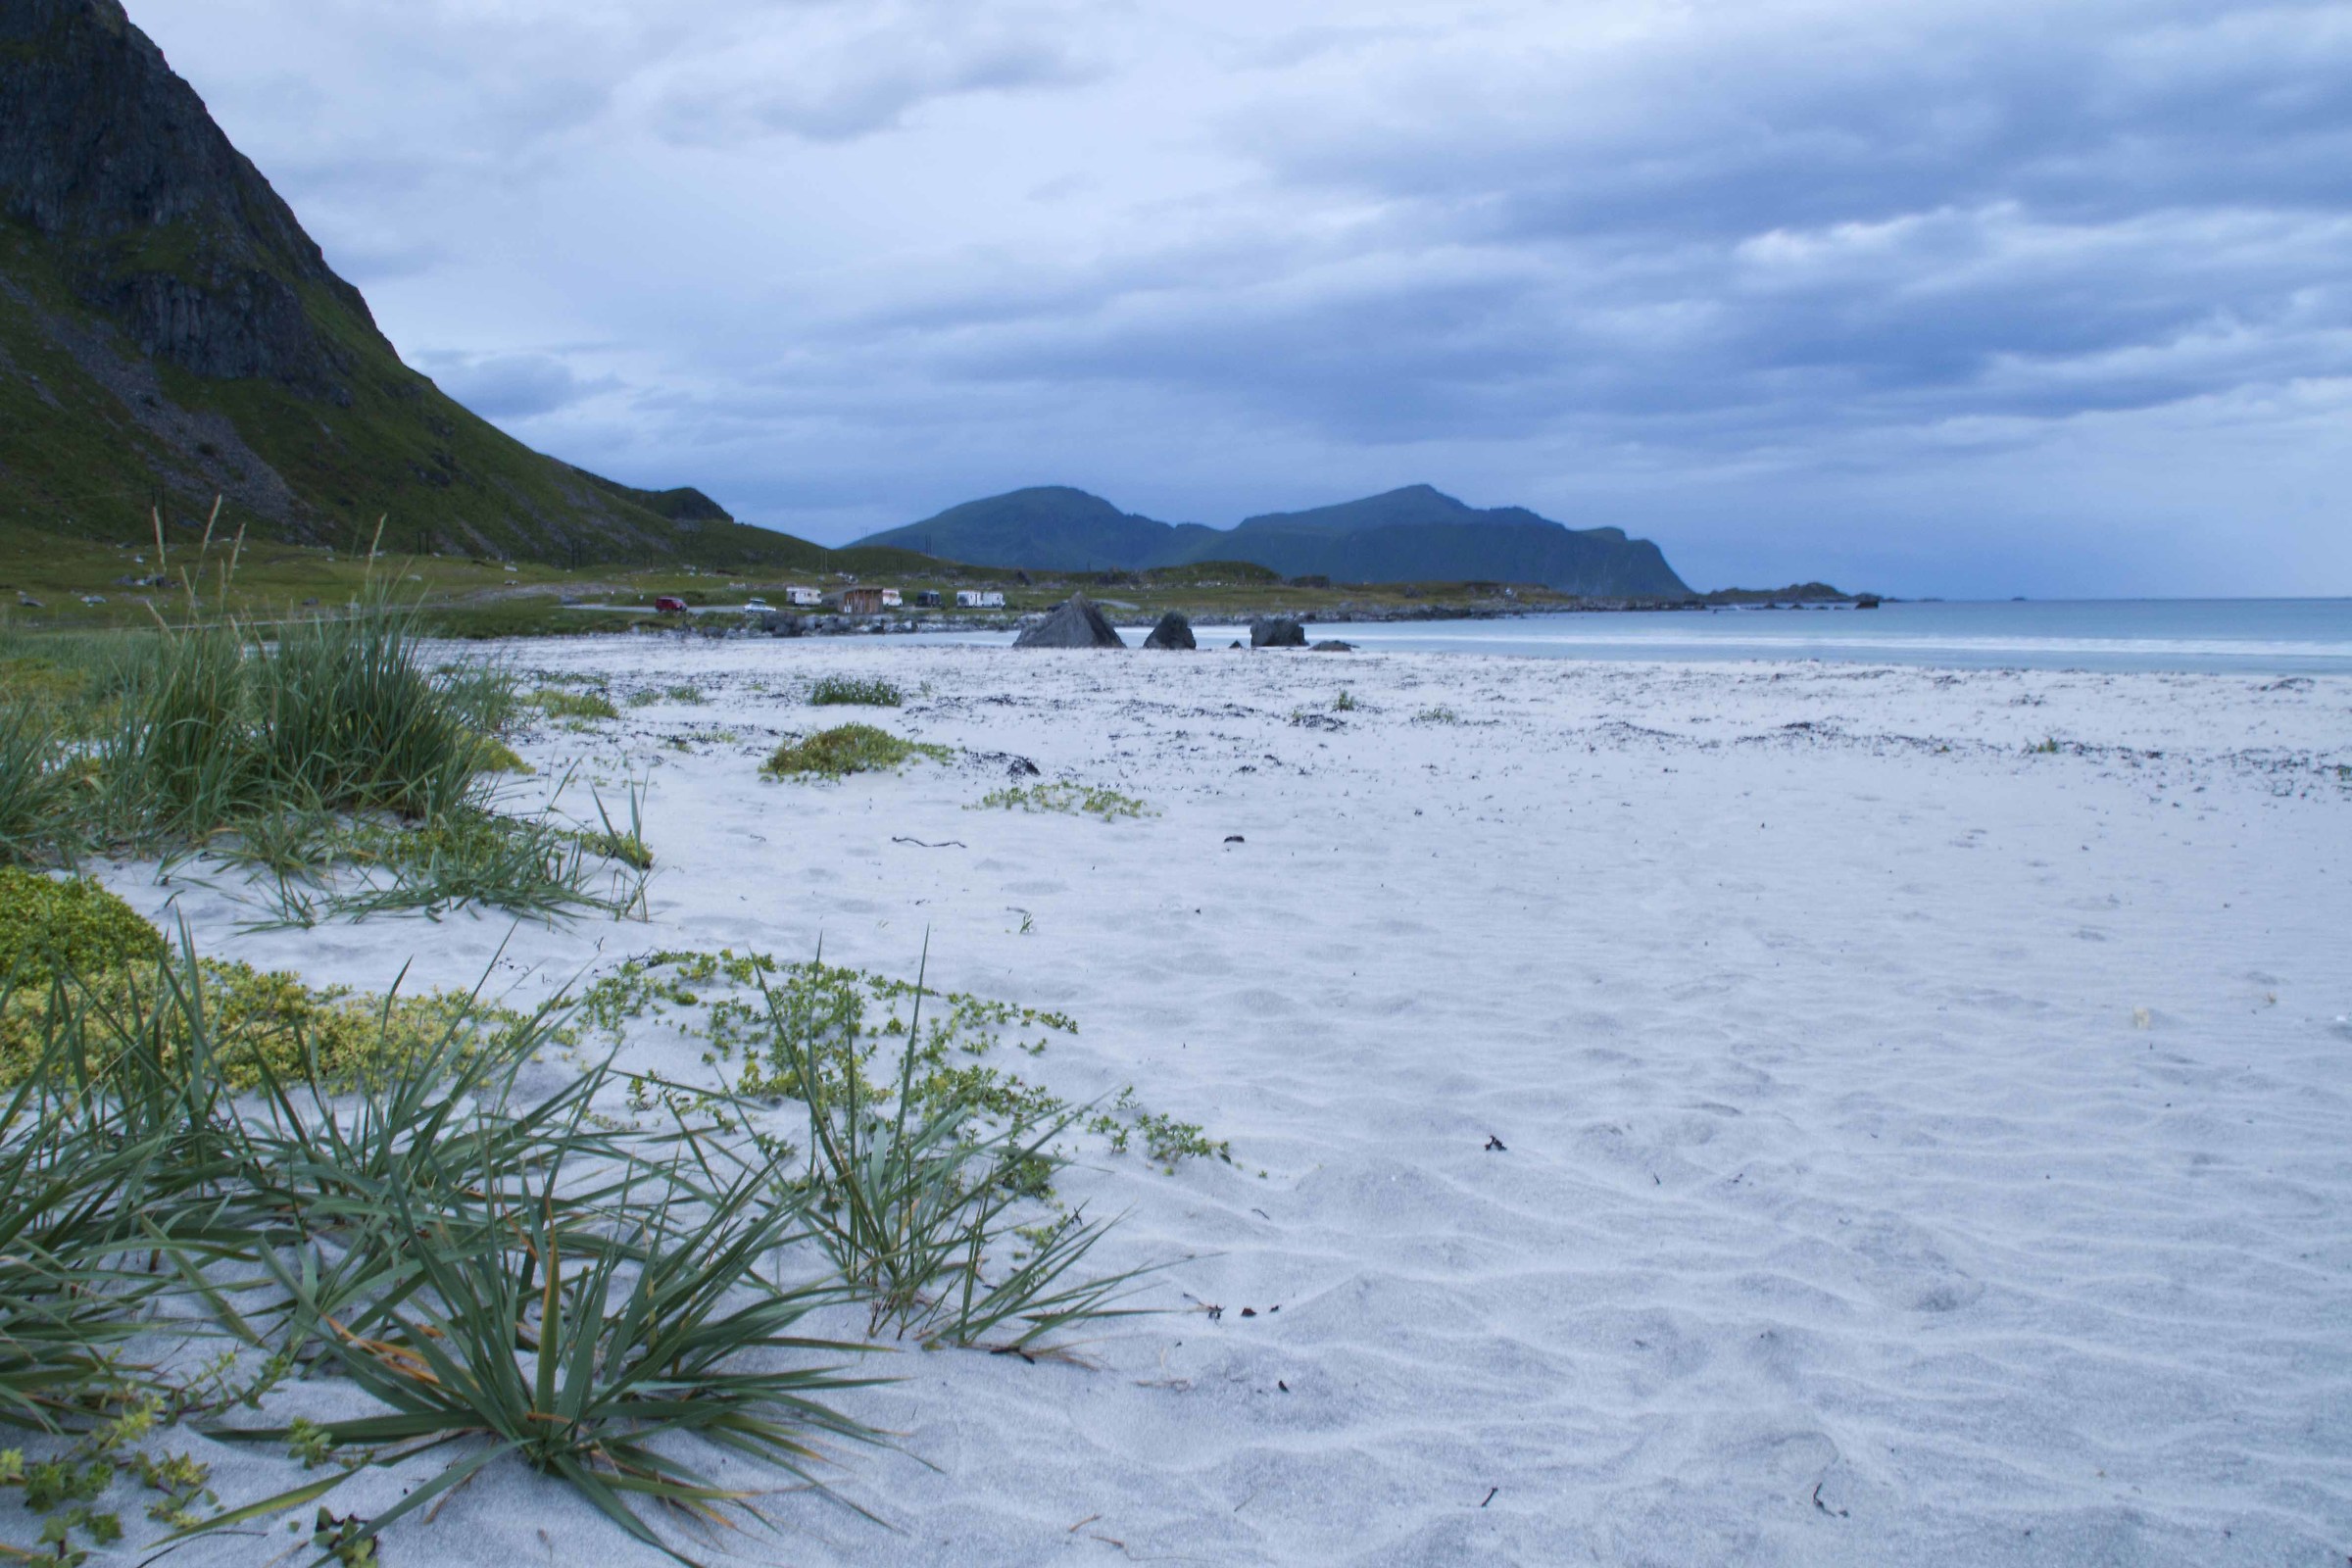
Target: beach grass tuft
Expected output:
[331,749]
[624,842]
[911,1205]
[34,794]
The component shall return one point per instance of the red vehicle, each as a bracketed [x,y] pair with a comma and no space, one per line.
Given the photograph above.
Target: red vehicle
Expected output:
[670,605]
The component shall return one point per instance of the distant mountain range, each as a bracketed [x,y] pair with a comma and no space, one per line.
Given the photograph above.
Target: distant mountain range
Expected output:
[1416,534]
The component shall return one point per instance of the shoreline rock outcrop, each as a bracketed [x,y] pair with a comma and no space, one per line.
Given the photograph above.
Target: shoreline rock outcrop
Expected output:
[1279,632]
[1173,631]
[1075,622]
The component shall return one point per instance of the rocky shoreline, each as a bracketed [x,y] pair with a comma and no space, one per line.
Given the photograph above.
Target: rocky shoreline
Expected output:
[788,623]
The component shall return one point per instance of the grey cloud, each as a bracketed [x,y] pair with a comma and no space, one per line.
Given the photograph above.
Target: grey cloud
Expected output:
[368,259]
[511,387]
[849,82]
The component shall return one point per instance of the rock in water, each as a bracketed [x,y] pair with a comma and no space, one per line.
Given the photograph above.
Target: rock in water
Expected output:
[1334,646]
[1173,631]
[1280,632]
[1074,623]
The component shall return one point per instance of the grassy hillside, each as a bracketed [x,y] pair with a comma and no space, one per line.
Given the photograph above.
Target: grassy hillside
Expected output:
[169,333]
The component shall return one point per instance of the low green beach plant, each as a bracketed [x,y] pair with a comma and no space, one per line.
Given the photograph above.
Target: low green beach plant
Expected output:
[833,690]
[69,946]
[586,707]
[690,696]
[1075,799]
[846,749]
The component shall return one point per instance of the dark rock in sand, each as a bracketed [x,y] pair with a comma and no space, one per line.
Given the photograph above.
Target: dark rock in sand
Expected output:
[1074,623]
[1332,645]
[781,623]
[1280,632]
[1173,631]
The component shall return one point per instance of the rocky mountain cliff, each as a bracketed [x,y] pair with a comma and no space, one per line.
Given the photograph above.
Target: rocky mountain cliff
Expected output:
[168,332]
[1416,534]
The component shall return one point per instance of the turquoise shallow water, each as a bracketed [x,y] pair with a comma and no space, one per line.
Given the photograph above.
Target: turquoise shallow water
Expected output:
[2216,636]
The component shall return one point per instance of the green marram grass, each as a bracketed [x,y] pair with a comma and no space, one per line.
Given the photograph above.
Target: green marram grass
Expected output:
[34,797]
[328,749]
[610,1298]
[842,690]
[846,749]
[336,714]
[622,840]
[591,1298]
[1086,799]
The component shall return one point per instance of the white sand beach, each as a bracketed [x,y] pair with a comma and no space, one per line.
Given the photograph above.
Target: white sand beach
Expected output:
[1680,1114]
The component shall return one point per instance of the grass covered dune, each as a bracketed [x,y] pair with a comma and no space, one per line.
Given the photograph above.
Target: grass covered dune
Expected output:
[1635,1113]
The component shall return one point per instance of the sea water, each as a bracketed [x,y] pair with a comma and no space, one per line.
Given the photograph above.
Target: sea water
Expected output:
[2216,636]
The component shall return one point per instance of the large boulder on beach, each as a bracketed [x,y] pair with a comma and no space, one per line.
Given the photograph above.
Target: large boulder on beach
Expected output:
[1073,623]
[1280,632]
[1173,631]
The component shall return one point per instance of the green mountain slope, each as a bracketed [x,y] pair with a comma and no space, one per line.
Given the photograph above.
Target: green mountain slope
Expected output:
[168,332]
[1416,534]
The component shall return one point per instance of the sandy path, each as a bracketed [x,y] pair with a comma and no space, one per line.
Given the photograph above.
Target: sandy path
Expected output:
[1918,1150]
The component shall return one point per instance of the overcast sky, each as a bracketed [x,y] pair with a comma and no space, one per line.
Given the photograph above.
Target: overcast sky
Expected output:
[1972,298]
